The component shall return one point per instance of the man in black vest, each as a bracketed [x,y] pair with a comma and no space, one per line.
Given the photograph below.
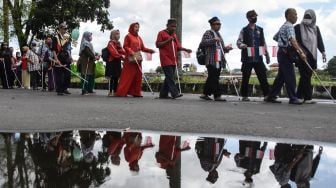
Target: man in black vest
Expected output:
[252,43]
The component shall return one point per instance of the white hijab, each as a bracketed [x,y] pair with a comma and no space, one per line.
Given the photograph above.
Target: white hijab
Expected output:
[308,32]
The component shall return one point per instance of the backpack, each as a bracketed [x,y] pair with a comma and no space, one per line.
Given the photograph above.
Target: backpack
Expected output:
[105,54]
[200,55]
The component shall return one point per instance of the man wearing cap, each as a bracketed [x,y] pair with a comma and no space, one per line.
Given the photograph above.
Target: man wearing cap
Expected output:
[169,45]
[252,43]
[286,75]
[213,44]
[62,47]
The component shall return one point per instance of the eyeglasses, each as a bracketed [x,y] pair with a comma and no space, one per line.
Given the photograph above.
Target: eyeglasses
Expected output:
[216,24]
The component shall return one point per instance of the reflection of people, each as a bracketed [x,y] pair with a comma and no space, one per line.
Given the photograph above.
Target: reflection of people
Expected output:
[113,143]
[250,157]
[169,151]
[252,42]
[213,43]
[134,150]
[309,37]
[210,152]
[295,163]
[169,45]
[131,74]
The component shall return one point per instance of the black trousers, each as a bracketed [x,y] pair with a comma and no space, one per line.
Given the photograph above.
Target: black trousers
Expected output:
[7,75]
[304,90]
[34,79]
[286,75]
[260,70]
[60,79]
[212,83]
[114,84]
[169,83]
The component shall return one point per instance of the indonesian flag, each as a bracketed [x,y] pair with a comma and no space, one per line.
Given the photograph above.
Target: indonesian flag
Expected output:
[185,144]
[148,56]
[274,51]
[259,154]
[248,152]
[271,154]
[148,141]
[185,54]
[262,50]
[250,51]
[218,55]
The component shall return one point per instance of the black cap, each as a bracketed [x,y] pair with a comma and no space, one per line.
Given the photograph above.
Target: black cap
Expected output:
[171,21]
[213,19]
[251,13]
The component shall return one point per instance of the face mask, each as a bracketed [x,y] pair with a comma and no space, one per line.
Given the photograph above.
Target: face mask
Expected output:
[253,20]
[307,21]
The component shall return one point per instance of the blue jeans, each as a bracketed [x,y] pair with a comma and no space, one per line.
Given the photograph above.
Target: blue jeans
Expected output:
[169,83]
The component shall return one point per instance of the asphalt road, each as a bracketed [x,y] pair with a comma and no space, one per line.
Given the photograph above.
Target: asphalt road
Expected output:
[22,110]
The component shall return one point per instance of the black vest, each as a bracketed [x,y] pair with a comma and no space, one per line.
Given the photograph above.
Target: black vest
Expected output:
[248,40]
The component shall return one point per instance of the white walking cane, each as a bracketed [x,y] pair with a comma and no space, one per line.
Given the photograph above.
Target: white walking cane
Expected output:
[76,73]
[232,80]
[177,74]
[17,78]
[315,74]
[3,62]
[143,75]
[42,76]
[53,77]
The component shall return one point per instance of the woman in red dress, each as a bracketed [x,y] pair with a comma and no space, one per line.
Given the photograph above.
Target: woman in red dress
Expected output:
[131,76]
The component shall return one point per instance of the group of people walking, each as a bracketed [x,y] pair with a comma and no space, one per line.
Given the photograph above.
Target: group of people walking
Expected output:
[126,78]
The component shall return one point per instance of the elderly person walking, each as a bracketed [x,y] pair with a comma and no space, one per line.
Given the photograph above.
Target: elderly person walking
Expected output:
[131,74]
[113,66]
[86,63]
[309,37]
[213,43]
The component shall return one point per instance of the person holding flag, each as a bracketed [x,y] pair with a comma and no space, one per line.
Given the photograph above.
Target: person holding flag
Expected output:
[169,45]
[252,43]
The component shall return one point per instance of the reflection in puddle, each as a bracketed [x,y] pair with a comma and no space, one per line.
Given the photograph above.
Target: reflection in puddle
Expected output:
[136,159]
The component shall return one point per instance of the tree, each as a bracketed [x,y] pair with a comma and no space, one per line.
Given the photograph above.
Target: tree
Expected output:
[5,21]
[331,68]
[158,70]
[32,17]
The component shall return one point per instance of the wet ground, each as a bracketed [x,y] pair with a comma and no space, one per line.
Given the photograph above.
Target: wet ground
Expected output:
[122,158]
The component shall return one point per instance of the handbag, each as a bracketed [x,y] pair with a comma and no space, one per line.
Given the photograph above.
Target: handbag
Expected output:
[200,55]
[135,58]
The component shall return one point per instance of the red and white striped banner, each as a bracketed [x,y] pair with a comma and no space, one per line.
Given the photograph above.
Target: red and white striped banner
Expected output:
[250,52]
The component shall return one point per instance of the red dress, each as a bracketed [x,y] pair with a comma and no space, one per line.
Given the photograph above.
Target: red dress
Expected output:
[131,77]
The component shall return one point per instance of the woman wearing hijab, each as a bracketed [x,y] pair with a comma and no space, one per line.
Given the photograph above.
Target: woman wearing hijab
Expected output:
[131,74]
[113,66]
[309,37]
[86,63]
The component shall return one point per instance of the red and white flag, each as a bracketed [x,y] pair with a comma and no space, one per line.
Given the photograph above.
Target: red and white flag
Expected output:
[271,154]
[186,54]
[250,51]
[148,141]
[185,144]
[148,56]
[248,152]
[274,51]
[262,50]
[259,154]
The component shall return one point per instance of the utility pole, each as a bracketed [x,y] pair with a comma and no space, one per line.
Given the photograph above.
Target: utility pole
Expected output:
[176,12]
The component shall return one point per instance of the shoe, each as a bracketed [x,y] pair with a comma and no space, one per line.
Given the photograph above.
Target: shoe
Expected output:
[271,100]
[165,97]
[177,96]
[205,97]
[85,93]
[110,94]
[137,96]
[295,101]
[309,102]
[66,92]
[220,99]
[245,99]
[60,93]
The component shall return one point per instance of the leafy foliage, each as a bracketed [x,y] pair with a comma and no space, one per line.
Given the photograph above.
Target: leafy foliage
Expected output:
[331,68]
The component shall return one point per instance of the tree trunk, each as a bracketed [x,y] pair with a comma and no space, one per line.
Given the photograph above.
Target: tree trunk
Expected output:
[176,12]
[5,21]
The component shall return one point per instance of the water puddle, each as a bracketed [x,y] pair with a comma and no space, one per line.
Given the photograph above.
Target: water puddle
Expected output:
[148,159]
